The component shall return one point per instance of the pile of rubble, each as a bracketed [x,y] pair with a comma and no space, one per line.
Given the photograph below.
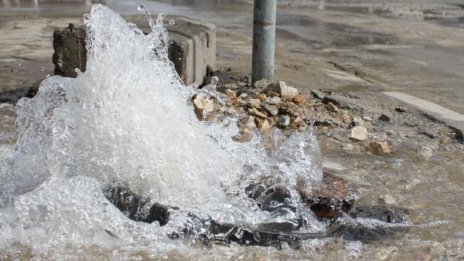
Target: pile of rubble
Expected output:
[353,122]
[269,105]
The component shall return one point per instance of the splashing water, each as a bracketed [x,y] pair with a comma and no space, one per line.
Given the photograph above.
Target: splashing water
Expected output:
[126,121]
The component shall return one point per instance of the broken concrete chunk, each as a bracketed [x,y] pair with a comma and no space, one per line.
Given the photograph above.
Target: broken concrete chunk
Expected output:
[282,90]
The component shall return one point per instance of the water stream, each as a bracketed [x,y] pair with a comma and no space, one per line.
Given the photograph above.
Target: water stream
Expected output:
[127,121]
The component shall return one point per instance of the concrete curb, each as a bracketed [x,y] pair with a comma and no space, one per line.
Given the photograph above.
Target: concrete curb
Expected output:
[451,118]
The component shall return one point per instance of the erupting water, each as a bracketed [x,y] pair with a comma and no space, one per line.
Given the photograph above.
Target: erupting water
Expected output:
[126,121]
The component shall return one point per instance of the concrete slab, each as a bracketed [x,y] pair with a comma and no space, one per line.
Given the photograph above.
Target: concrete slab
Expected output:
[451,118]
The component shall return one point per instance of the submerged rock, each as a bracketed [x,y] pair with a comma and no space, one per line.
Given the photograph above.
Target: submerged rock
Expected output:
[331,199]
[135,207]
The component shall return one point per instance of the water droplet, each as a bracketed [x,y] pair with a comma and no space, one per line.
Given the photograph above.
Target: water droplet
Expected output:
[141,8]
[172,22]
[161,16]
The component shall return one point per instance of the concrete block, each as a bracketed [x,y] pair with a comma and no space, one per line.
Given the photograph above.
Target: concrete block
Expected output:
[203,35]
[192,47]
[70,52]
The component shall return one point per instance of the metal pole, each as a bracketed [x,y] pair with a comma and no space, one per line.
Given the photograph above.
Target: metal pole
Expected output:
[264,20]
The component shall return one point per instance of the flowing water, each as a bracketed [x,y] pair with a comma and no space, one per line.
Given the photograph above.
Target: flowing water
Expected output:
[126,121]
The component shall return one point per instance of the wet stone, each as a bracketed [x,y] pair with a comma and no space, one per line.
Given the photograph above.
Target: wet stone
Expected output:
[334,197]
[135,207]
[388,220]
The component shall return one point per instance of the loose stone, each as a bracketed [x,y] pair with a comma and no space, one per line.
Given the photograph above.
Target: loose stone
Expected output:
[282,89]
[379,148]
[299,99]
[384,118]
[244,135]
[254,103]
[283,121]
[331,107]
[271,109]
[359,133]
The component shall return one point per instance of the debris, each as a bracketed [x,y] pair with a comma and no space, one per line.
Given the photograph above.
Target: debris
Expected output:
[359,133]
[331,107]
[203,107]
[333,197]
[274,100]
[254,103]
[264,126]
[283,121]
[379,148]
[247,122]
[384,118]
[357,121]
[282,90]
[244,135]
[317,94]
[230,93]
[255,112]
[261,84]
[271,109]
[299,99]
